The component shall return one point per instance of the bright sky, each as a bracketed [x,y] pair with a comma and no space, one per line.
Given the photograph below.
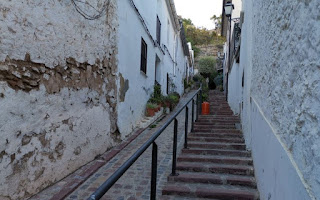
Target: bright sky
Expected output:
[199,11]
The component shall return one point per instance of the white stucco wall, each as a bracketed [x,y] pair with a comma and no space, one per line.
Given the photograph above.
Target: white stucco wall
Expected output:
[235,88]
[281,96]
[275,169]
[139,86]
[57,92]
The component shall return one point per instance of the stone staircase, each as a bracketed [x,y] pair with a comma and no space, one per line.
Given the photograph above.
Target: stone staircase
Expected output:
[216,164]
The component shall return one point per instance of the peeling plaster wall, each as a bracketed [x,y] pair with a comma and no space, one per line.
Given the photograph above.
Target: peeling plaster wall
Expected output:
[280,48]
[57,92]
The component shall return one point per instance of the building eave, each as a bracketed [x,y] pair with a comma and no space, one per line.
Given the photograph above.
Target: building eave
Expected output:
[173,14]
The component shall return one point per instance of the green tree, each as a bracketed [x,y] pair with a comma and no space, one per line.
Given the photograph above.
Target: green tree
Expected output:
[207,66]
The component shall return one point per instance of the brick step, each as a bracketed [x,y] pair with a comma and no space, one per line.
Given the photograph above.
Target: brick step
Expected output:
[216,135]
[215,139]
[215,159]
[217,126]
[214,130]
[213,117]
[226,110]
[221,107]
[230,121]
[214,123]
[215,168]
[215,145]
[220,152]
[210,191]
[224,105]
[222,179]
[220,103]
[219,112]
[176,197]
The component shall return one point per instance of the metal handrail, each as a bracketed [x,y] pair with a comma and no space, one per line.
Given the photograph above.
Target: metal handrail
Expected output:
[116,175]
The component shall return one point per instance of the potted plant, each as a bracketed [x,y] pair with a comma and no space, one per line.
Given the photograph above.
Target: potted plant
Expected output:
[150,110]
[167,102]
[173,99]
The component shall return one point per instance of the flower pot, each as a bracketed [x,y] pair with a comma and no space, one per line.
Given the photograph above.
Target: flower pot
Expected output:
[205,108]
[167,104]
[150,112]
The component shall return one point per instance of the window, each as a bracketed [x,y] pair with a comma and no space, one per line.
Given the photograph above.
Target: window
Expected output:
[144,49]
[158,30]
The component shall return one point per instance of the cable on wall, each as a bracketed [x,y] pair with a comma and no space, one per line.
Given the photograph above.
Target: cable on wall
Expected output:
[88,16]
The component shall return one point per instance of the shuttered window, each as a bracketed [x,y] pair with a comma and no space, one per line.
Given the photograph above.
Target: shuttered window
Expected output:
[144,49]
[158,30]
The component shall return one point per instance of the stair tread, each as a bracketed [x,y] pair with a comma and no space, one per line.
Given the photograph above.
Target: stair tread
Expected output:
[224,152]
[208,178]
[183,155]
[216,165]
[216,175]
[210,135]
[210,191]
[234,160]
[211,139]
[216,143]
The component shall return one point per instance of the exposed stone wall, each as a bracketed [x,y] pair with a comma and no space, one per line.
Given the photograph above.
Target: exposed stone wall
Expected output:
[285,79]
[58,94]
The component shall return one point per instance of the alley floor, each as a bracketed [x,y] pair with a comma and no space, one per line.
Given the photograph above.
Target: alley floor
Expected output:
[135,183]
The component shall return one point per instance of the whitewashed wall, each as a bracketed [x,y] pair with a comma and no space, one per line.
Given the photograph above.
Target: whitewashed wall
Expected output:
[57,92]
[139,86]
[235,88]
[281,96]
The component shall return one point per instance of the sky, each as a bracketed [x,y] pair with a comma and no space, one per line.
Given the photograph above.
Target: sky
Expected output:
[199,11]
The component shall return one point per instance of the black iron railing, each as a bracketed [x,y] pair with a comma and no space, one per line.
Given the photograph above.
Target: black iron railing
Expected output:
[115,176]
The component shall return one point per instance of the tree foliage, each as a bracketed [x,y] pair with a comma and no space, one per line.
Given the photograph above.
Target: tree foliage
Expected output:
[198,36]
[207,66]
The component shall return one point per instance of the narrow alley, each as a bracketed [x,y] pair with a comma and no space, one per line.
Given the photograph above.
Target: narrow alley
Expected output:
[159,99]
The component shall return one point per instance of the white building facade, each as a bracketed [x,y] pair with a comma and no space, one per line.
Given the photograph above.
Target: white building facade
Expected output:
[274,87]
[156,24]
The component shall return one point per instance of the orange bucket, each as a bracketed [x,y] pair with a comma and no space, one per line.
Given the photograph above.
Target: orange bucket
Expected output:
[205,108]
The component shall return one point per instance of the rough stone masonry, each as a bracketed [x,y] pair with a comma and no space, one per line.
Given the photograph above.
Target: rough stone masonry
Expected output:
[58,94]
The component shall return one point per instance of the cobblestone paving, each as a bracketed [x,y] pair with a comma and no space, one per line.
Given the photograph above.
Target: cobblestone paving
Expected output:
[135,183]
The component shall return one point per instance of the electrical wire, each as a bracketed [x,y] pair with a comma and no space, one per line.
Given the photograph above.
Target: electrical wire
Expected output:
[87,16]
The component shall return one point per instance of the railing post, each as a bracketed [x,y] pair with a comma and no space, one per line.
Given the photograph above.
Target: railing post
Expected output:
[174,155]
[192,115]
[197,113]
[154,171]
[200,101]
[186,128]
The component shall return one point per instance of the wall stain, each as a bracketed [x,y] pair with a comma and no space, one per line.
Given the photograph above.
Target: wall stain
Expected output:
[124,87]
